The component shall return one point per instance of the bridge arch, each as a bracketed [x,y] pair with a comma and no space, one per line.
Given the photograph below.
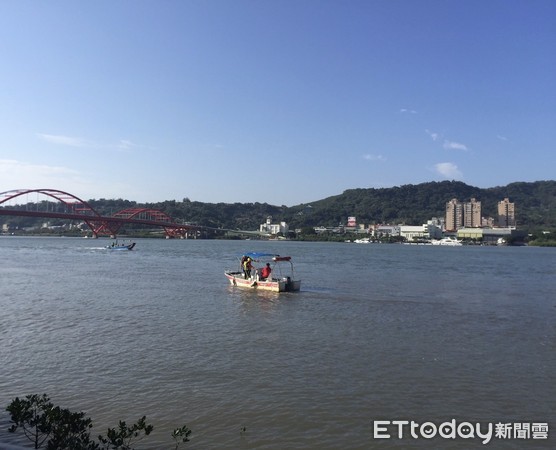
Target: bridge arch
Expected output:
[145,214]
[73,202]
[99,224]
[79,207]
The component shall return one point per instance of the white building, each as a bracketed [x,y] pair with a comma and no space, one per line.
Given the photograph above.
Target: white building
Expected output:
[414,232]
[434,227]
[387,230]
[274,228]
[430,230]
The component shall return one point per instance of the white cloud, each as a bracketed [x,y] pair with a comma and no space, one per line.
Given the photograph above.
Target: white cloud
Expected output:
[434,136]
[370,157]
[502,138]
[10,168]
[450,145]
[125,145]
[448,170]
[22,175]
[62,140]
[409,111]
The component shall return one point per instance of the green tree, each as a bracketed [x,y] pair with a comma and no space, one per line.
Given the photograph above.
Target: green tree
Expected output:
[61,429]
[31,416]
[71,431]
[181,435]
[123,436]
[41,420]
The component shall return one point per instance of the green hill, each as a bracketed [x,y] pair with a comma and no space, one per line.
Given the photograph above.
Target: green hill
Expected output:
[414,204]
[409,204]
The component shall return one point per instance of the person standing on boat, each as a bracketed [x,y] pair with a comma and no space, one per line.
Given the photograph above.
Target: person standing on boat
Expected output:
[242,265]
[265,271]
[247,266]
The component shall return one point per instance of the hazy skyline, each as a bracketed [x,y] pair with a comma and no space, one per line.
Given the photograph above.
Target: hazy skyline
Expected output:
[283,102]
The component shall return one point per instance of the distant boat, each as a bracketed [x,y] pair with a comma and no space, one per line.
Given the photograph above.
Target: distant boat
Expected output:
[362,241]
[448,241]
[117,246]
[282,278]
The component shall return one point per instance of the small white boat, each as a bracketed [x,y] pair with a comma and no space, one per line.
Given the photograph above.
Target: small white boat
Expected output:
[251,276]
[363,241]
[448,241]
[117,246]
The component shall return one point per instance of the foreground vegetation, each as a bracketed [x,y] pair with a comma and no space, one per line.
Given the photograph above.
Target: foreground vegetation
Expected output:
[42,423]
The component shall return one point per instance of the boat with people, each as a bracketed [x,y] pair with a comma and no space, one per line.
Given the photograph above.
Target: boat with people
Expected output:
[264,271]
[448,241]
[121,246]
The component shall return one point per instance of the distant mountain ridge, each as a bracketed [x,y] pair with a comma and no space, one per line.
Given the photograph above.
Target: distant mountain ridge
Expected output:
[411,204]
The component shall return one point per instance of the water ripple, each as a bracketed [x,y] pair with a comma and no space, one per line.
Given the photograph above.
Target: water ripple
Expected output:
[378,332]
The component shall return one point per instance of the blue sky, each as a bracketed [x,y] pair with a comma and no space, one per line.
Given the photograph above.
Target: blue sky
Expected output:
[284,102]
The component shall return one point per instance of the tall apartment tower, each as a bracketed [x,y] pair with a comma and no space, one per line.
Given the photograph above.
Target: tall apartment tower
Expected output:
[472,214]
[506,213]
[454,215]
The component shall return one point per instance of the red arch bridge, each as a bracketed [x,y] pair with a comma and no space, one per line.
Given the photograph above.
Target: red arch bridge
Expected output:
[73,208]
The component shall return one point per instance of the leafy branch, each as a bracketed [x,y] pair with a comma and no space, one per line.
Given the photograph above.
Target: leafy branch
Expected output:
[41,422]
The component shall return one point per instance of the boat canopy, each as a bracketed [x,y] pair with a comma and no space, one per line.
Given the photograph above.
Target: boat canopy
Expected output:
[281,258]
[257,255]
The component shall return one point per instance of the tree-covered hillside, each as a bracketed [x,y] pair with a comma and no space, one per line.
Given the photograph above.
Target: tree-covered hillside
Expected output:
[415,204]
[409,204]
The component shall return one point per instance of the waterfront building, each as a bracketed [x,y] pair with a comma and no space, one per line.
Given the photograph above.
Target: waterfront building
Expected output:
[460,215]
[387,230]
[274,228]
[434,228]
[475,234]
[506,213]
[454,215]
[472,214]
[487,222]
[490,236]
[414,232]
[430,230]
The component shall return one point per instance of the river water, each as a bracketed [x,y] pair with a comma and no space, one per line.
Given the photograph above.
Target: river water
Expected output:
[378,332]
